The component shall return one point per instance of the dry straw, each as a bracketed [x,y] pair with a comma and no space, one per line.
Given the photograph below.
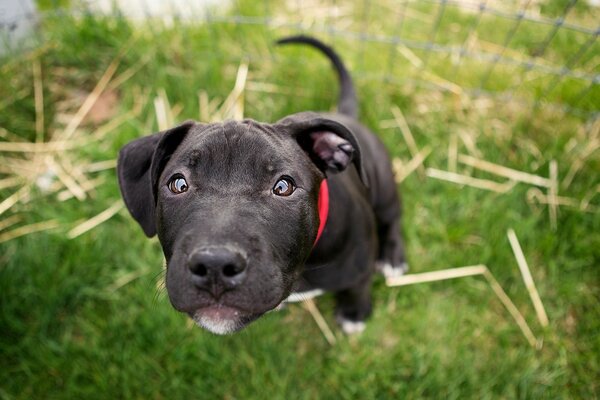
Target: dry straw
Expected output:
[28,229]
[505,172]
[462,272]
[408,136]
[311,307]
[552,194]
[401,171]
[527,278]
[470,181]
[96,220]
[47,162]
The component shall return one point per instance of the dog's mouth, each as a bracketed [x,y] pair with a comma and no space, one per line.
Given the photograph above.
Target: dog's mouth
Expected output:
[222,320]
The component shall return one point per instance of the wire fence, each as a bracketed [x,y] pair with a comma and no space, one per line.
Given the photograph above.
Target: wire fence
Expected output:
[538,53]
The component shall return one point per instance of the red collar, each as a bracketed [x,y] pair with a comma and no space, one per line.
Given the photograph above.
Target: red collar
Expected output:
[323,205]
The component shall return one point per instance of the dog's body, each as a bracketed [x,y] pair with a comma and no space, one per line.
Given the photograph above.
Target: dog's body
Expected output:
[235,206]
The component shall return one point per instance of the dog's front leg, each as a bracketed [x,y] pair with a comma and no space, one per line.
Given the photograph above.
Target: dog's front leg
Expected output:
[353,307]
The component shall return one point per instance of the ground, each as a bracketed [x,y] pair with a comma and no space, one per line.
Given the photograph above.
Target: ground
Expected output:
[88,317]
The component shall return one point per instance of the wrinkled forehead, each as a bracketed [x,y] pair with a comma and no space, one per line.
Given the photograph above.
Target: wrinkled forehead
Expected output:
[237,148]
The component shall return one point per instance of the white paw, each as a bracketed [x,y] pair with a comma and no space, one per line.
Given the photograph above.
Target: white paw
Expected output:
[389,271]
[351,327]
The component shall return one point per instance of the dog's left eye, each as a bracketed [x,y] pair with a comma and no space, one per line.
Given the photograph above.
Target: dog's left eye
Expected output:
[284,186]
[178,184]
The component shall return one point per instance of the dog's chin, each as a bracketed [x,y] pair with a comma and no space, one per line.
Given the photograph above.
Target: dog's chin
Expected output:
[222,320]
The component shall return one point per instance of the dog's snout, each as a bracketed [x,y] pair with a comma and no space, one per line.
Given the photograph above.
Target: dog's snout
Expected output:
[217,269]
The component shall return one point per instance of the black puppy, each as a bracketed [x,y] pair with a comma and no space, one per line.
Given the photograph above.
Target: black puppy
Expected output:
[250,213]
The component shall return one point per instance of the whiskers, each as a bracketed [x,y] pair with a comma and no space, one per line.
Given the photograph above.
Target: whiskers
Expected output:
[160,285]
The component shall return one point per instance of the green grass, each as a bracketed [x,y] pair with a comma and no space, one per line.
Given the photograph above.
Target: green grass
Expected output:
[70,327]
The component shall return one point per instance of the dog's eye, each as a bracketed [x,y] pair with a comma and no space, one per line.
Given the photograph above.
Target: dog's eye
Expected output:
[178,184]
[284,186]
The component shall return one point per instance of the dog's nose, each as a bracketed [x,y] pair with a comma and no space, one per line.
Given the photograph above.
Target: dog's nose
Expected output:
[217,269]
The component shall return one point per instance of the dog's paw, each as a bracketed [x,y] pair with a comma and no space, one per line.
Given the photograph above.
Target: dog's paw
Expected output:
[390,271]
[350,327]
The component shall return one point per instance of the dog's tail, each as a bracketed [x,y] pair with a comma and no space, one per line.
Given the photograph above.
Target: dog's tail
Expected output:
[347,102]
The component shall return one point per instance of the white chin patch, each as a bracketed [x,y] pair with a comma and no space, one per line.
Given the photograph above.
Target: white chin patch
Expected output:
[218,326]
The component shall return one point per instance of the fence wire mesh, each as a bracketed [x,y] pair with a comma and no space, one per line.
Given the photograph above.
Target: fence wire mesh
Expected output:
[530,52]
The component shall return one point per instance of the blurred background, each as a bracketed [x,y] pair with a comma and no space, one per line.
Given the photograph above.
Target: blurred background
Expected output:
[489,109]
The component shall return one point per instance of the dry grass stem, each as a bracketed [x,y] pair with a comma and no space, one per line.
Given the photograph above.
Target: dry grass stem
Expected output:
[89,186]
[452,273]
[575,167]
[233,106]
[99,166]
[527,278]
[130,72]
[175,111]
[410,56]
[13,199]
[311,307]
[10,182]
[41,147]
[529,145]
[162,108]
[66,179]
[401,172]
[203,102]
[91,99]
[10,221]
[512,309]
[452,153]
[469,142]
[17,58]
[443,83]
[585,202]
[4,134]
[552,194]
[428,75]
[38,91]
[470,181]
[408,136]
[518,55]
[462,272]
[114,123]
[95,221]
[76,172]
[535,195]
[125,279]
[505,172]
[591,146]
[388,124]
[28,229]
[19,166]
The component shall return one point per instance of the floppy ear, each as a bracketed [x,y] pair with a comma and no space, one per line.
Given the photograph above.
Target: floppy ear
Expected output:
[139,165]
[330,144]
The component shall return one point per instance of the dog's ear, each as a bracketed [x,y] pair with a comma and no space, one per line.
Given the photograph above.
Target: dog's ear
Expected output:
[330,144]
[138,168]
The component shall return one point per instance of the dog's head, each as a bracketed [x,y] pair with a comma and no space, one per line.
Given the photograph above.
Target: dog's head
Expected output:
[234,205]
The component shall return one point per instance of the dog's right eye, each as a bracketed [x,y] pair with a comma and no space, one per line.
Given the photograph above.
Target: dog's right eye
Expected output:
[284,186]
[177,184]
